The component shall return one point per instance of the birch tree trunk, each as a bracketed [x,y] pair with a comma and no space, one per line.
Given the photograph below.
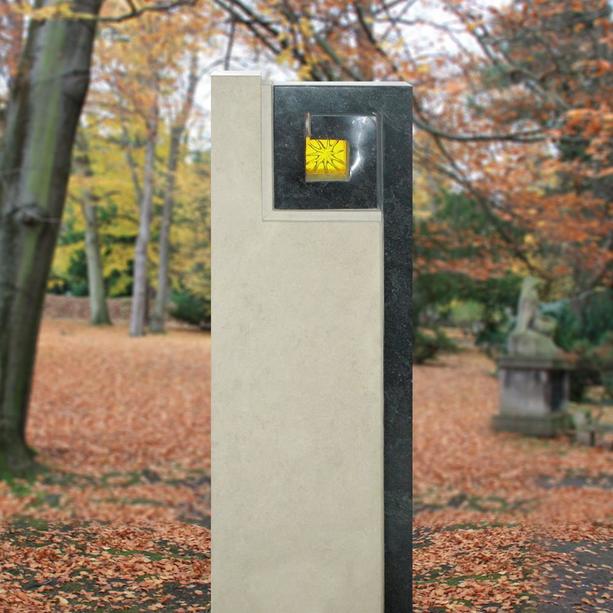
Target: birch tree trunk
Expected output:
[130,159]
[139,285]
[43,112]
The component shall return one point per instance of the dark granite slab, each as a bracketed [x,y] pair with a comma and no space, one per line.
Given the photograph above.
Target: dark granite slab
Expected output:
[352,113]
[384,183]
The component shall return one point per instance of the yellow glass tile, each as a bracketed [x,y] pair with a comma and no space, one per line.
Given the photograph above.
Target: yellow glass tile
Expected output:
[326,159]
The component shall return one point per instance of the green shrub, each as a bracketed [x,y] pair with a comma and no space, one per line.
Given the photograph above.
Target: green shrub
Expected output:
[452,298]
[596,364]
[190,308]
[428,343]
[585,328]
[587,318]
[465,313]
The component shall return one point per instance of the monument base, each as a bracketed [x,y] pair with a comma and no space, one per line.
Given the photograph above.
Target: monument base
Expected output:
[533,396]
[532,425]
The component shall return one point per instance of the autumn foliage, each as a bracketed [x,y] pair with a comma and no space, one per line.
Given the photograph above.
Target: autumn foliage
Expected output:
[537,76]
[121,517]
[512,110]
[513,176]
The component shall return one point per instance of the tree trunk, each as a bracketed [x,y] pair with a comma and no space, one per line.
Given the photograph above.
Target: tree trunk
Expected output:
[139,285]
[98,310]
[130,159]
[158,319]
[43,113]
[13,22]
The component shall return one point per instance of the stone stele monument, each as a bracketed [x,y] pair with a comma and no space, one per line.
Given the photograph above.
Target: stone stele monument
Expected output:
[534,381]
[311,346]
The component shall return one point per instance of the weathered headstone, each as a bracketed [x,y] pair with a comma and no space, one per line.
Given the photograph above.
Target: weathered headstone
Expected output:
[311,355]
[534,381]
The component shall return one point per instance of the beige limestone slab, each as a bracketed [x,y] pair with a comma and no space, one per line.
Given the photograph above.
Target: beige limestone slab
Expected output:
[297,436]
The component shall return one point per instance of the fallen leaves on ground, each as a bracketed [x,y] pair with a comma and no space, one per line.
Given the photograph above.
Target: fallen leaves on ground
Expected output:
[494,510]
[120,521]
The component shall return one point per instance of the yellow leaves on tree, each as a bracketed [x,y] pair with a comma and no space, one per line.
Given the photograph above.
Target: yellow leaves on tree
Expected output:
[137,97]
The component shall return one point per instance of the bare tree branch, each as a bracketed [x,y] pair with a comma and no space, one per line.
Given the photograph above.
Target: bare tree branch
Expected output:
[228,55]
[135,11]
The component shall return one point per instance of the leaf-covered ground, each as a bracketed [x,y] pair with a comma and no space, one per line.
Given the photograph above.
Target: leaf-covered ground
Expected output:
[503,522]
[120,521]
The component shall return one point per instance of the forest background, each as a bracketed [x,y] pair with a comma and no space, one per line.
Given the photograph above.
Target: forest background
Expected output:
[104,192]
[513,155]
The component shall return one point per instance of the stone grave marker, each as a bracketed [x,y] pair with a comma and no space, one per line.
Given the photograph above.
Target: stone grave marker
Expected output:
[311,346]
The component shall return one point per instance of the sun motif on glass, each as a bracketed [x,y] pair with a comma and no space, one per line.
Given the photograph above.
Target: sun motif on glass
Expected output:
[326,159]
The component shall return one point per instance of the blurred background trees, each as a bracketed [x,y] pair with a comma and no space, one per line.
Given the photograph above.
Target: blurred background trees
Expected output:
[512,143]
[513,134]
[45,84]
[513,157]
[142,195]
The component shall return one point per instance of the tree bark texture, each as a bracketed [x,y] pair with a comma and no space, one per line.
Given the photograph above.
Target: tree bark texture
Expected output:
[158,318]
[43,112]
[141,259]
[98,310]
